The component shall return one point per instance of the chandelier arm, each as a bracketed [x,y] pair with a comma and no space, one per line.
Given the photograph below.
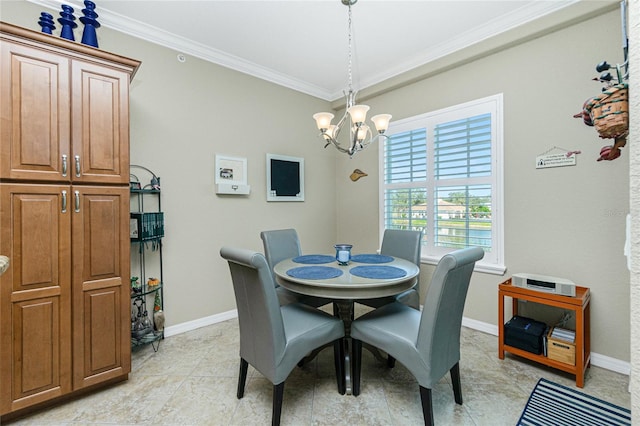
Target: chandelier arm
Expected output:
[335,143]
[340,125]
[375,138]
[355,145]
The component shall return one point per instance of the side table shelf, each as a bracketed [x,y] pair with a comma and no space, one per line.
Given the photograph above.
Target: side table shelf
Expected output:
[580,305]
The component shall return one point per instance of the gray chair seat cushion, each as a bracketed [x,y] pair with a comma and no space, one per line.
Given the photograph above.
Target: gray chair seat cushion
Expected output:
[306,328]
[394,329]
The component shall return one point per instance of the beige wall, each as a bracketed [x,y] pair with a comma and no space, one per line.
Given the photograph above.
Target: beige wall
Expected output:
[567,222]
[182,115]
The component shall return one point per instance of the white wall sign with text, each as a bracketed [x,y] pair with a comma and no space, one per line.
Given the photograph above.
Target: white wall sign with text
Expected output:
[555,160]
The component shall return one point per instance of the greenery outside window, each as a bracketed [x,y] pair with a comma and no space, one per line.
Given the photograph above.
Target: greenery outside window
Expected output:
[441,172]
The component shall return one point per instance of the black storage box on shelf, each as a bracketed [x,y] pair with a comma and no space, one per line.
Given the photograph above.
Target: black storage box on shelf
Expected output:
[525,333]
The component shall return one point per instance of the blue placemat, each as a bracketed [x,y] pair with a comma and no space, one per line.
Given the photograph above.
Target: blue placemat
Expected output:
[371,258]
[378,272]
[314,259]
[314,272]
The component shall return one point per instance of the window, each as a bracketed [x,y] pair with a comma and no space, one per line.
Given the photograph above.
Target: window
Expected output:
[442,173]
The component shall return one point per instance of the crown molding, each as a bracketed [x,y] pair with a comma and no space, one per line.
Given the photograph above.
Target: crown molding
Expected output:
[505,23]
[186,46]
[534,11]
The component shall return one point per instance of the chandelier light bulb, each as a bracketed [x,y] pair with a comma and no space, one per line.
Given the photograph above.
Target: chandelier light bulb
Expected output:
[330,132]
[358,113]
[361,132]
[323,120]
[381,121]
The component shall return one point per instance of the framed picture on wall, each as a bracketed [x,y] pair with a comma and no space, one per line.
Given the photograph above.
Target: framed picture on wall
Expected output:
[231,170]
[285,178]
[231,176]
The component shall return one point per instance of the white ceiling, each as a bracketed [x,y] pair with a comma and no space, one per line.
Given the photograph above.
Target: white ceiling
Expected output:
[303,44]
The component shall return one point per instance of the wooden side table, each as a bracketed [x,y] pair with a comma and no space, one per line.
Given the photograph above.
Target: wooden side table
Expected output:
[578,304]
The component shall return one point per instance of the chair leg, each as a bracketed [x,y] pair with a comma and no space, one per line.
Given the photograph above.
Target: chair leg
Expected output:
[356,366]
[338,359]
[427,406]
[391,361]
[455,380]
[278,393]
[242,377]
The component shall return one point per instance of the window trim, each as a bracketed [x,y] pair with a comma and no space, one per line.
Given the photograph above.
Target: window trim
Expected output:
[494,104]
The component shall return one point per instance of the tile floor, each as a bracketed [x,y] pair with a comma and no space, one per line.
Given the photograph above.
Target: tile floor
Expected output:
[192,380]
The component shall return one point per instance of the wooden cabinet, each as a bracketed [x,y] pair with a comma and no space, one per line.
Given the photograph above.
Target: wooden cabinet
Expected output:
[35,294]
[101,313]
[35,108]
[64,212]
[63,118]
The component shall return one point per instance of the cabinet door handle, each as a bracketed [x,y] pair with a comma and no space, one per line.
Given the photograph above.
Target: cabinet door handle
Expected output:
[64,201]
[77,201]
[64,165]
[77,157]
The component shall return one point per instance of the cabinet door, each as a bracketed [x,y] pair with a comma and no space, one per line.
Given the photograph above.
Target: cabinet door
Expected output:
[101,294]
[35,295]
[100,124]
[34,108]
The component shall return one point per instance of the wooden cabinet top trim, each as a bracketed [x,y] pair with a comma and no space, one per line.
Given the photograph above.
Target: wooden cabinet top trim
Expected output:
[71,48]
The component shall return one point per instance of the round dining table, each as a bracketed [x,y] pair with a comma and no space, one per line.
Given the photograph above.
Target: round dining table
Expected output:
[366,276]
[372,277]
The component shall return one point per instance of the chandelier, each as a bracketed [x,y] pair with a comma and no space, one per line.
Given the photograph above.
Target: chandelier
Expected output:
[360,134]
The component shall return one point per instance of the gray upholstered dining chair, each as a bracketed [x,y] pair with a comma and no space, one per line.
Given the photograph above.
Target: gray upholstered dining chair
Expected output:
[274,338]
[407,245]
[427,343]
[280,244]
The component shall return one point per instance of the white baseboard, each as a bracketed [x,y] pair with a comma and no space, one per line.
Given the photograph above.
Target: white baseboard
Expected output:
[480,326]
[201,322]
[597,360]
[612,364]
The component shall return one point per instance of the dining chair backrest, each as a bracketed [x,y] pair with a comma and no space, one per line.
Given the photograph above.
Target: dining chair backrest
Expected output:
[441,320]
[262,334]
[280,244]
[404,244]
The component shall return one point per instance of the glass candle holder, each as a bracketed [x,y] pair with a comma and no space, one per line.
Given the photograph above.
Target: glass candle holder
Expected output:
[343,253]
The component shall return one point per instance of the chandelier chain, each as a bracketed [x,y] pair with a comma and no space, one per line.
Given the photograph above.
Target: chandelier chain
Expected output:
[350,73]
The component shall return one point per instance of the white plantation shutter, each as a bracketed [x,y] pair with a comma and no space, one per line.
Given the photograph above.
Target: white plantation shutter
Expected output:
[442,173]
[462,151]
[406,157]
[463,148]
[406,163]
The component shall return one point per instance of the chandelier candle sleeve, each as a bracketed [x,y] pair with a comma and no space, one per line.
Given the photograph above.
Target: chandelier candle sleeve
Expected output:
[323,120]
[358,113]
[381,121]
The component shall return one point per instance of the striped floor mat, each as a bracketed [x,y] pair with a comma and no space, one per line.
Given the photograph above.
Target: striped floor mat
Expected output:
[551,404]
